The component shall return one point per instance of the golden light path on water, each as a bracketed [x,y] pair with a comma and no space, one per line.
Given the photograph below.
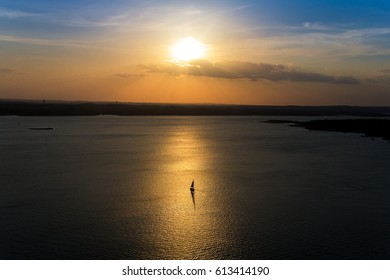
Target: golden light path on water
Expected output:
[187,227]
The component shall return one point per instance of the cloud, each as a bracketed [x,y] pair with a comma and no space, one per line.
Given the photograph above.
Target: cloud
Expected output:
[315,27]
[385,71]
[246,70]
[6,71]
[129,75]
[321,41]
[12,14]
[47,42]
[382,77]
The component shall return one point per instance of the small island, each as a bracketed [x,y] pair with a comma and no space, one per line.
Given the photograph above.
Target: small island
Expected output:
[367,127]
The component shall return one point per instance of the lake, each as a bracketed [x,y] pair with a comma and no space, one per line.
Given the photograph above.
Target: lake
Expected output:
[110,187]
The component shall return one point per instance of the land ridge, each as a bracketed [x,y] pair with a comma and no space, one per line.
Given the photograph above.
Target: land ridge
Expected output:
[368,127]
[48,108]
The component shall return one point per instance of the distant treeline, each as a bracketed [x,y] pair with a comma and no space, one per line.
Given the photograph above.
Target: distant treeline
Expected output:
[26,108]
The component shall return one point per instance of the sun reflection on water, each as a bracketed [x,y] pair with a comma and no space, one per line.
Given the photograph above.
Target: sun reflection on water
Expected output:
[187,225]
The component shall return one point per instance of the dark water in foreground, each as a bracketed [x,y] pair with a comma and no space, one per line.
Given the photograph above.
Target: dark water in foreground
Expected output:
[118,188]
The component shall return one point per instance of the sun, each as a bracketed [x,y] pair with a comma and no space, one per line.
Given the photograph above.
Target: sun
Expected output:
[188,49]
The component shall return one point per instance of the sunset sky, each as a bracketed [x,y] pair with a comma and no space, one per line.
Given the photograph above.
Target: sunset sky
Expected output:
[251,52]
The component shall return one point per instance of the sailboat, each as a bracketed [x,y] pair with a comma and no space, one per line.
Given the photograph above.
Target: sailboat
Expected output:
[192,189]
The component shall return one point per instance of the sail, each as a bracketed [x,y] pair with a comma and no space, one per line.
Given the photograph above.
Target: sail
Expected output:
[192,189]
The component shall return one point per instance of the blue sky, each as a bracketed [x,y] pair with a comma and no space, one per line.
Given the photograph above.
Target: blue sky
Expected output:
[103,38]
[350,14]
[71,19]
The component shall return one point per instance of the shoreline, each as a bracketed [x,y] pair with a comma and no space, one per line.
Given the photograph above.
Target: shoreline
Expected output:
[368,127]
[47,108]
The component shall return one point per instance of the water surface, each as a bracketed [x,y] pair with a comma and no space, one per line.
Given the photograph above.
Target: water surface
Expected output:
[112,187]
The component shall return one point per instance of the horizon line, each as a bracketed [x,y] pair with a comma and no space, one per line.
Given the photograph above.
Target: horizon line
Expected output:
[56,101]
